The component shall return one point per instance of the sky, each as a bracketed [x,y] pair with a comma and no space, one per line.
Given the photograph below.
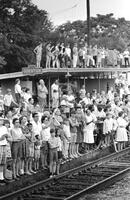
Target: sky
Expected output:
[61,11]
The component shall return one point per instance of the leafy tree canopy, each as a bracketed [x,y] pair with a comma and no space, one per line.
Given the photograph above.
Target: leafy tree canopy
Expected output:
[22,26]
[105,31]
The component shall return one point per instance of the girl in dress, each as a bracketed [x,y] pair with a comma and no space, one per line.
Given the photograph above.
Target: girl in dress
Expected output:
[121,134]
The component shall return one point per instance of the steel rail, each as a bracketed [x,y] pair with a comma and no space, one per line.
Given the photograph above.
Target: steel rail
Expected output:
[28,189]
[98,185]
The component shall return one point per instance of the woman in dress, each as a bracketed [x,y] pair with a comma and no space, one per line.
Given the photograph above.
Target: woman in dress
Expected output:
[121,134]
[88,130]
[25,145]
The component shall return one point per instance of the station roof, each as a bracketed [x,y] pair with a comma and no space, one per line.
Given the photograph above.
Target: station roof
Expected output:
[61,71]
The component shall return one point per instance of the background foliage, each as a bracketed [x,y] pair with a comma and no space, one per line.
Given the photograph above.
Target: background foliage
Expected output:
[23,26]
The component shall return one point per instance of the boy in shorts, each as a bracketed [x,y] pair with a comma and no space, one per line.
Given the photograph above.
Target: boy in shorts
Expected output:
[53,154]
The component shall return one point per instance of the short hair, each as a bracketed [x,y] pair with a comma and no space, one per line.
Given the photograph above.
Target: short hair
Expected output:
[14,120]
[21,109]
[100,108]
[21,118]
[120,113]
[43,118]
[17,80]
[72,112]
[27,89]
[6,121]
[35,113]
[29,124]
[30,99]
[52,130]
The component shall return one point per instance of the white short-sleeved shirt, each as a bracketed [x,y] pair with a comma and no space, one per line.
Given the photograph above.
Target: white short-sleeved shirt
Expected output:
[66,129]
[17,89]
[37,127]
[8,99]
[3,131]
[45,133]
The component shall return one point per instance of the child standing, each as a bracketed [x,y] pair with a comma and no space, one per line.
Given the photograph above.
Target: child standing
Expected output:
[67,138]
[31,140]
[53,154]
[59,150]
[37,145]
[73,129]
[107,128]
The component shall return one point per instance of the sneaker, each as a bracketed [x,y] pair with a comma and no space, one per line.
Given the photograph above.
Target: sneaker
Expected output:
[33,172]
[21,172]
[28,173]
[50,176]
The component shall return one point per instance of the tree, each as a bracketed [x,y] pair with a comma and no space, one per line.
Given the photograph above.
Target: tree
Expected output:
[106,31]
[22,26]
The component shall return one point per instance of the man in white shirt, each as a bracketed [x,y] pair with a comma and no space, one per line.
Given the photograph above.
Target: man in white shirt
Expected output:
[55,94]
[71,99]
[68,51]
[17,90]
[37,127]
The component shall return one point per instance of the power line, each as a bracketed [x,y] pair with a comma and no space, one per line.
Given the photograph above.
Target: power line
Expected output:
[65,10]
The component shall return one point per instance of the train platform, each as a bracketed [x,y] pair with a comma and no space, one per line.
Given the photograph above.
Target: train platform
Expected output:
[27,180]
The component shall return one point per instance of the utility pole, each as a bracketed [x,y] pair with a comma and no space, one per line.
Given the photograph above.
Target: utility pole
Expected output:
[88,21]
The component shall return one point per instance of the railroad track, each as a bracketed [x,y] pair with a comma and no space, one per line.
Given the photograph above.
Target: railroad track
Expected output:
[74,183]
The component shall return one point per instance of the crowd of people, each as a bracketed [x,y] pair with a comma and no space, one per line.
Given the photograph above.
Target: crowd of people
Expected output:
[35,137]
[60,56]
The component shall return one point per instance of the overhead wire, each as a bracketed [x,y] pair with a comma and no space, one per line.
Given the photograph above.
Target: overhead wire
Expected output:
[65,10]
